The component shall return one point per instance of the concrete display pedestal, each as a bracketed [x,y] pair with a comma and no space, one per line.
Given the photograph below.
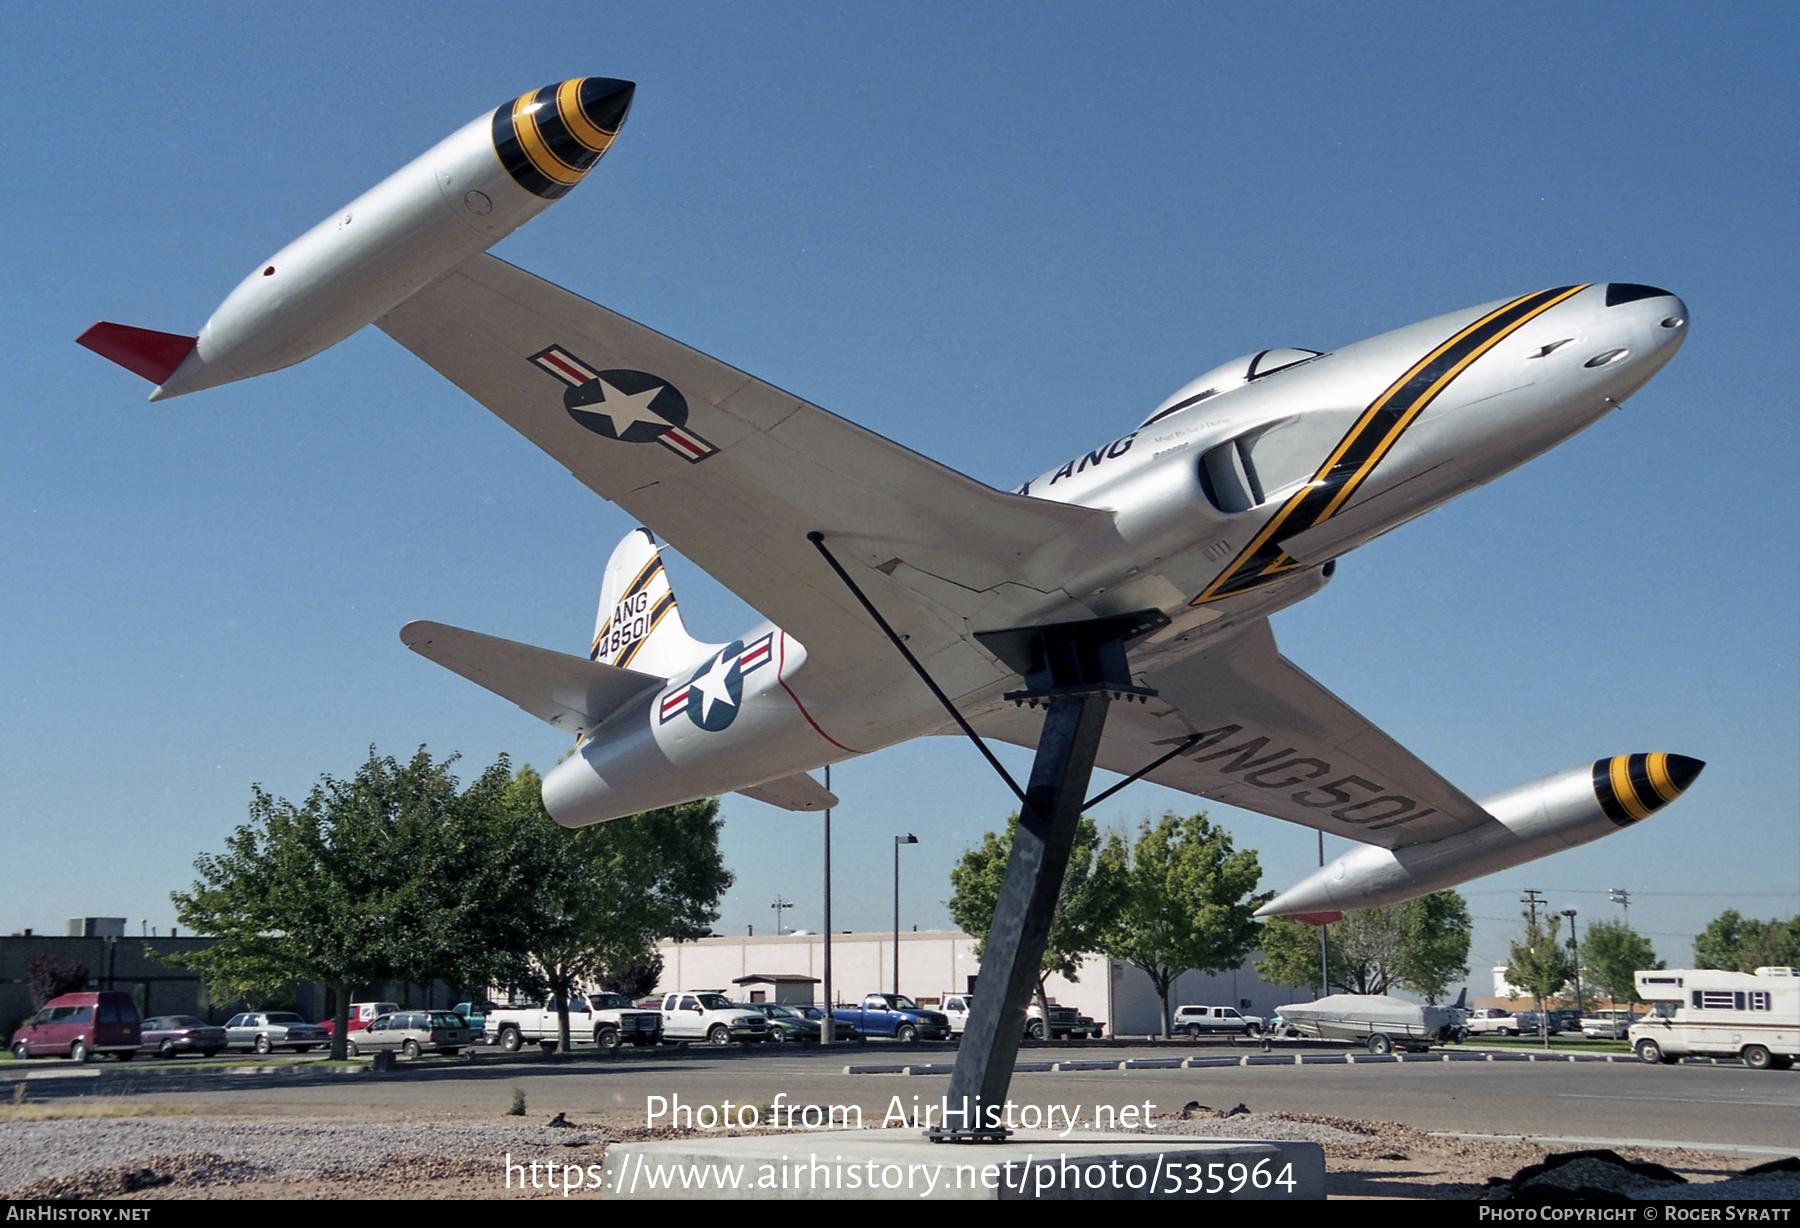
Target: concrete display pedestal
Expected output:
[901,1164]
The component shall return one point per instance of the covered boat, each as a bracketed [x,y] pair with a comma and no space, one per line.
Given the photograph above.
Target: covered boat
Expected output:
[1381,1022]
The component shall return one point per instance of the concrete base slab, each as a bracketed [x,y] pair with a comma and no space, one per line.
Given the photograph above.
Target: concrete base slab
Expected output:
[869,1164]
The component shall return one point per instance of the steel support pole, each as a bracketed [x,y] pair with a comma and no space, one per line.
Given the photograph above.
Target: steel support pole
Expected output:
[1014,950]
[1324,942]
[827,1032]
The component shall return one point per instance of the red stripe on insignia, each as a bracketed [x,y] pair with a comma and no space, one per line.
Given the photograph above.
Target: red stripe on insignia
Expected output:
[566,368]
[690,446]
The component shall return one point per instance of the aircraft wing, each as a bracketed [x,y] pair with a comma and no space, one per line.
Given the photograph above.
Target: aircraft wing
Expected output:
[734,472]
[1272,740]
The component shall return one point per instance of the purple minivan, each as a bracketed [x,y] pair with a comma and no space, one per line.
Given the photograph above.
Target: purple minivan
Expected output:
[78,1025]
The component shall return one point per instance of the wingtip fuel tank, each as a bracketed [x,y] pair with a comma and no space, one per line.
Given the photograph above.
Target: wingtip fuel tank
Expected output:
[1531,821]
[459,198]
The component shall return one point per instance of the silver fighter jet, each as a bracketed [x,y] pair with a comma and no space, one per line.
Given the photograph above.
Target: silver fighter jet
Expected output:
[1231,500]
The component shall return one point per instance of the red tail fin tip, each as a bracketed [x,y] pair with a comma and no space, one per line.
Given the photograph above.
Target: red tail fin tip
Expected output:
[152,355]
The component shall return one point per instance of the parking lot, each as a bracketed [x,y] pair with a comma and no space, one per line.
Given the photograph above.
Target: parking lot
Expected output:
[1708,1104]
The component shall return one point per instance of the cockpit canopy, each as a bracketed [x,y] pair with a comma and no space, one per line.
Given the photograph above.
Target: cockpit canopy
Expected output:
[1234,374]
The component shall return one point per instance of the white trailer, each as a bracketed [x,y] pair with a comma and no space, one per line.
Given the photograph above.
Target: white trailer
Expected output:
[1708,1013]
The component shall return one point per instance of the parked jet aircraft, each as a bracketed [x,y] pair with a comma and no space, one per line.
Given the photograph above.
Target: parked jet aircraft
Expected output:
[1229,501]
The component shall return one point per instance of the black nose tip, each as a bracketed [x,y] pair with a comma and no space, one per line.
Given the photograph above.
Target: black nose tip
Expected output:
[605,100]
[1683,770]
[1628,292]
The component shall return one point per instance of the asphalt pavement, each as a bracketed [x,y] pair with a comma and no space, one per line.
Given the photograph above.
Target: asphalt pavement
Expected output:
[1687,1104]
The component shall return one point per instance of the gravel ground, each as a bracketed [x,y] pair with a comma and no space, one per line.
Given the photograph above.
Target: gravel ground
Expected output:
[235,1150]
[309,1158]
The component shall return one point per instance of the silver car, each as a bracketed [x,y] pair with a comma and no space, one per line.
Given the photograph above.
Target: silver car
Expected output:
[412,1033]
[267,1031]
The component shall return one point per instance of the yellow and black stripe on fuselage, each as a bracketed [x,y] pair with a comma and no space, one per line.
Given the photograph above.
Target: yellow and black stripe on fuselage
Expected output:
[1376,430]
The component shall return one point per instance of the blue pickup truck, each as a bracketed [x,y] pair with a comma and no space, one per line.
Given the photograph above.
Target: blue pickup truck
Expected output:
[893,1015]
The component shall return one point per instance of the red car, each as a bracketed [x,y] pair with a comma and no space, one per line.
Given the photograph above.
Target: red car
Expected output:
[361,1015]
[78,1025]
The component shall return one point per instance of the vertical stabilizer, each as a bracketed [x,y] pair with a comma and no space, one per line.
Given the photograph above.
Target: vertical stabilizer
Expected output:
[638,626]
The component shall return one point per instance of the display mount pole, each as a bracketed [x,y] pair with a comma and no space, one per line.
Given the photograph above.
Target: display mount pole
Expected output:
[827,1032]
[1074,671]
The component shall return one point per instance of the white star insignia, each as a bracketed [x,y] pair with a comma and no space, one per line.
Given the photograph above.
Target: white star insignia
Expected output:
[712,688]
[623,411]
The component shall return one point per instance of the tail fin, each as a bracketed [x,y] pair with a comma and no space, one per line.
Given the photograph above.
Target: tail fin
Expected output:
[638,626]
[141,351]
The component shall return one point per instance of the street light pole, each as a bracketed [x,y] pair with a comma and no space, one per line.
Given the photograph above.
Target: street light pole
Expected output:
[827,1033]
[909,838]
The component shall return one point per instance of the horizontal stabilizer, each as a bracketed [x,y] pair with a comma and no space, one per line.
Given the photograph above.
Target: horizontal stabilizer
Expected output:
[151,355]
[571,693]
[796,792]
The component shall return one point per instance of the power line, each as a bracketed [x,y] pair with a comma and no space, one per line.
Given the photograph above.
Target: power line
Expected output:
[1515,921]
[1695,894]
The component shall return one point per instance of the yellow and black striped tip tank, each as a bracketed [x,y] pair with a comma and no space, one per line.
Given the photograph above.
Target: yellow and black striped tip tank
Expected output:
[1632,787]
[550,138]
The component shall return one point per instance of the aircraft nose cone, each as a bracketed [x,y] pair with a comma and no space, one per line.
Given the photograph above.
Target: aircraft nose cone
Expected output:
[1632,787]
[1682,771]
[550,138]
[604,101]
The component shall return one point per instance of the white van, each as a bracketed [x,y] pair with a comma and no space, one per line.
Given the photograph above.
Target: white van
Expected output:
[1720,1014]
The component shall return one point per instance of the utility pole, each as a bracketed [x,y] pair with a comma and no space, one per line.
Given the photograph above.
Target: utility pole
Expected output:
[1622,897]
[909,838]
[778,905]
[827,1032]
[1531,902]
[1575,955]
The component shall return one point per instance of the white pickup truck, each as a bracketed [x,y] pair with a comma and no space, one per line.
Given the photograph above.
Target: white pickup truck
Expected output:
[1065,1021]
[707,1014]
[1196,1021]
[606,1019]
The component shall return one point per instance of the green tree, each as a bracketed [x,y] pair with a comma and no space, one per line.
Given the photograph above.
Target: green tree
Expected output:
[1771,944]
[1739,944]
[1187,903]
[1612,953]
[1368,942]
[1541,964]
[1093,888]
[1291,956]
[614,889]
[391,874]
[1422,944]
[1718,944]
[1435,931]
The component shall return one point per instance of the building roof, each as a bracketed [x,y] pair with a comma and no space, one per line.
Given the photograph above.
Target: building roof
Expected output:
[778,978]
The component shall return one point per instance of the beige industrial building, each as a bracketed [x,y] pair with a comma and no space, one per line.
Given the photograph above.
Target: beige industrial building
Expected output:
[935,962]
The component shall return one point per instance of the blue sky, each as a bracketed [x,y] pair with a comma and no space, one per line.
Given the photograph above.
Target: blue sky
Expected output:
[995,234]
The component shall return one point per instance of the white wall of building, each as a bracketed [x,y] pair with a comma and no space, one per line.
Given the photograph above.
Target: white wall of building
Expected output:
[936,962]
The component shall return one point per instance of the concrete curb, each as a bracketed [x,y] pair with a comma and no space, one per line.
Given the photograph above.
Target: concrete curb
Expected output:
[1260,1059]
[176,1074]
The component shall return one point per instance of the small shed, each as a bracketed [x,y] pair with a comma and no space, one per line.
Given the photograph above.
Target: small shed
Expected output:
[786,988]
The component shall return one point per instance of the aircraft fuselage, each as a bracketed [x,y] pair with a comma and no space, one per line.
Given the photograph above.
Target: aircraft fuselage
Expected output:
[1231,501]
